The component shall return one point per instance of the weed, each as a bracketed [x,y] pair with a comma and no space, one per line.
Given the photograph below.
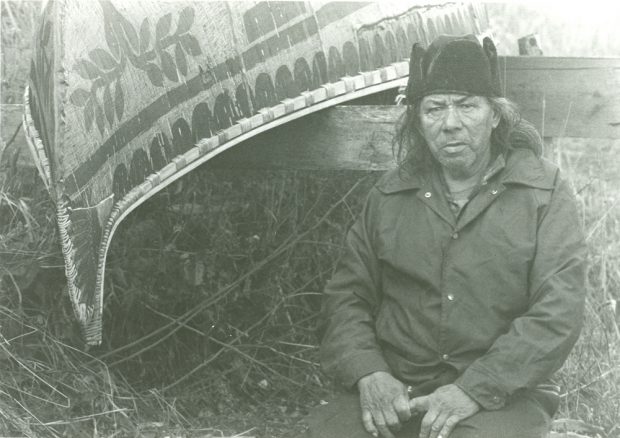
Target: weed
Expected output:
[213,291]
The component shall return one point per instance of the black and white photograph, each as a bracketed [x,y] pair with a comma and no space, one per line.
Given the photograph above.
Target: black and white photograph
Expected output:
[319,219]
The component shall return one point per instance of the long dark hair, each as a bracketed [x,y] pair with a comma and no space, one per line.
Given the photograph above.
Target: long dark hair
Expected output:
[410,148]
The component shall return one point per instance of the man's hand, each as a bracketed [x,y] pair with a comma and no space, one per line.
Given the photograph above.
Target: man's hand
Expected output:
[444,409]
[384,402]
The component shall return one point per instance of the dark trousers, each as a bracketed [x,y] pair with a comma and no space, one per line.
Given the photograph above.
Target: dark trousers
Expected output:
[527,415]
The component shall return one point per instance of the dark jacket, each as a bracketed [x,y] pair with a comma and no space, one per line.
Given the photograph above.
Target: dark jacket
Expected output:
[495,295]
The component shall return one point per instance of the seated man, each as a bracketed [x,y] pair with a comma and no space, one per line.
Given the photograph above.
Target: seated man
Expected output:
[461,290]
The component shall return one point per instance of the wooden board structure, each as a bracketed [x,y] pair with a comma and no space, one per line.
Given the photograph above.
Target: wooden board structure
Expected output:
[125,97]
[562,97]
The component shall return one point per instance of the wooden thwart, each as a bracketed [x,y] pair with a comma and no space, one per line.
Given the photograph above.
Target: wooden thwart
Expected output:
[562,97]
[342,137]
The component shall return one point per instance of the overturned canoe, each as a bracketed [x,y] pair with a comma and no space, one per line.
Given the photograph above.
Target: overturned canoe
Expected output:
[126,97]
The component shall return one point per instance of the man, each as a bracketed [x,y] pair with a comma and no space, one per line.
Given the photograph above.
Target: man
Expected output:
[461,289]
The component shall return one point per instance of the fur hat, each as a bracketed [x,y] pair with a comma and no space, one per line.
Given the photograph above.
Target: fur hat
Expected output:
[454,64]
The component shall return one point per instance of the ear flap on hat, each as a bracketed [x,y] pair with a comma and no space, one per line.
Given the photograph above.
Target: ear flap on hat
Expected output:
[489,49]
[416,76]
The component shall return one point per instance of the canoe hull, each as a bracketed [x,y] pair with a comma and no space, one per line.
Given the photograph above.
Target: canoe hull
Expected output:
[126,97]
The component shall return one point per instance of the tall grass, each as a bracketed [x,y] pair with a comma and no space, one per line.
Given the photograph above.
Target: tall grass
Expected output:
[18,20]
[213,291]
[212,298]
[253,348]
[564,29]
[591,376]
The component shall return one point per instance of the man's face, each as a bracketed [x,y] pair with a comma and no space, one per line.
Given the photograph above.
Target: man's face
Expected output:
[457,129]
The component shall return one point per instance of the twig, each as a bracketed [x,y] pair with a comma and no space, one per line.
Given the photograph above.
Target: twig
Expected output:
[192,371]
[149,346]
[570,106]
[309,347]
[219,295]
[243,434]
[179,417]
[11,140]
[17,289]
[10,14]
[290,356]
[584,386]
[601,219]
[542,123]
[216,355]
[85,417]
[34,375]
[251,359]
[33,416]
[29,394]
[188,327]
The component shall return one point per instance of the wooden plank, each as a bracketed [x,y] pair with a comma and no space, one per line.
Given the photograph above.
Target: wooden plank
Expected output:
[342,137]
[566,97]
[563,97]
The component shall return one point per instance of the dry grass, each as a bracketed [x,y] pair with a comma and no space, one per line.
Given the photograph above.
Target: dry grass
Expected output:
[591,376]
[213,294]
[213,291]
[570,29]
[212,300]
[18,21]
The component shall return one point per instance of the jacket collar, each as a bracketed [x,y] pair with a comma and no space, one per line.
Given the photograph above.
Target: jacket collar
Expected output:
[398,180]
[523,167]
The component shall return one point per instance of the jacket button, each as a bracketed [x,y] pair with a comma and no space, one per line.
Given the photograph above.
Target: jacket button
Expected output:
[450,297]
[445,357]
[427,195]
[455,236]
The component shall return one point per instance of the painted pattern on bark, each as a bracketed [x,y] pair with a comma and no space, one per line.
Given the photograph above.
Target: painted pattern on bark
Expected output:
[152,87]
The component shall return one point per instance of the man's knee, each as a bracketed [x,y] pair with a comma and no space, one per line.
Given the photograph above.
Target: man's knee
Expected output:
[342,418]
[528,415]
[339,418]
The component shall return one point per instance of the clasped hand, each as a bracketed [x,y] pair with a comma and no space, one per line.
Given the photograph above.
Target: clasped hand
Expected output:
[386,406]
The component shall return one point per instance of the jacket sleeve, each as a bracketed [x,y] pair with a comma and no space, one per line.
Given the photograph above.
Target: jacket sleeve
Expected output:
[539,341]
[349,349]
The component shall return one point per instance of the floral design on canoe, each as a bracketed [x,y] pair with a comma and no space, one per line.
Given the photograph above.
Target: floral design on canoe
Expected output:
[161,53]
